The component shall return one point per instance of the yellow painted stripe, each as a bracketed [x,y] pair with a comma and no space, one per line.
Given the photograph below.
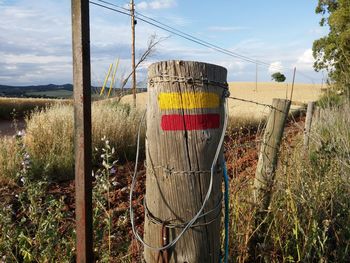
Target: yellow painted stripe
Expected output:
[188,100]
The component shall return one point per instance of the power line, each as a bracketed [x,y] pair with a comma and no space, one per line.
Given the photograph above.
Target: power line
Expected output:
[185,35]
[189,37]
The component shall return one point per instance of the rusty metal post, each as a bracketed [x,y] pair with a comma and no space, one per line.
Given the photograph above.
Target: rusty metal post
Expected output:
[82,134]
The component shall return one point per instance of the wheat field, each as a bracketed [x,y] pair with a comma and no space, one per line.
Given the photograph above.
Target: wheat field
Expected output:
[264,93]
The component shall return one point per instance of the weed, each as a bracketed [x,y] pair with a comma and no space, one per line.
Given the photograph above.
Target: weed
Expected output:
[309,213]
[32,222]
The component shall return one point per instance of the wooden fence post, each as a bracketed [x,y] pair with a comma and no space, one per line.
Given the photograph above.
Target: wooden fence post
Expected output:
[308,122]
[82,131]
[265,172]
[185,118]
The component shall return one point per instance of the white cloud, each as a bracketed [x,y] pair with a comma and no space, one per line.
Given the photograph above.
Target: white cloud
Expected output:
[306,57]
[275,67]
[156,4]
[232,66]
[13,59]
[35,44]
[226,28]
[305,61]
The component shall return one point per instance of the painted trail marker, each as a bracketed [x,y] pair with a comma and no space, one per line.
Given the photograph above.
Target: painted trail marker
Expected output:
[185,119]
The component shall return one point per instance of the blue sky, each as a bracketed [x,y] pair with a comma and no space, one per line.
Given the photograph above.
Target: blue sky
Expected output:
[35,37]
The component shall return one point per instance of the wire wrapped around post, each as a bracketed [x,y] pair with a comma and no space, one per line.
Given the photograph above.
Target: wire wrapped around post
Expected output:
[185,128]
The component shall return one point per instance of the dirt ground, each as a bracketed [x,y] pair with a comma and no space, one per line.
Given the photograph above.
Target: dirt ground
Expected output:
[9,127]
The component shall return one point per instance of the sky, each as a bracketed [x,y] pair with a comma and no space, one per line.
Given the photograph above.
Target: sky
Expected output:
[35,38]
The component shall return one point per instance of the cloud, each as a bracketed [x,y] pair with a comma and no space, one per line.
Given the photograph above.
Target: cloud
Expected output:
[275,67]
[35,44]
[156,4]
[319,31]
[306,57]
[305,61]
[226,28]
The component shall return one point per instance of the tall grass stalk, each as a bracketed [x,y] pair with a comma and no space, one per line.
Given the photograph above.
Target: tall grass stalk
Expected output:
[309,215]
[49,136]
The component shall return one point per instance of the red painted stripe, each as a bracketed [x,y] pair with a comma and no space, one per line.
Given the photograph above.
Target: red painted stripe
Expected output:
[178,122]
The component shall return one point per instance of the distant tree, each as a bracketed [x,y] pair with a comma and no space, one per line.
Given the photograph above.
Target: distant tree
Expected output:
[332,52]
[278,76]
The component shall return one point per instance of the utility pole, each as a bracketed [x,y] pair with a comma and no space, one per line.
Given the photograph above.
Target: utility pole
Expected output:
[82,129]
[133,23]
[256,76]
[291,94]
[322,80]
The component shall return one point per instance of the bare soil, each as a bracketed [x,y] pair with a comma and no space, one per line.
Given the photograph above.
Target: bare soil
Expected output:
[9,127]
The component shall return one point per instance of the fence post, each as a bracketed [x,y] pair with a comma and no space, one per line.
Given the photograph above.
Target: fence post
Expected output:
[82,126]
[185,118]
[308,122]
[265,172]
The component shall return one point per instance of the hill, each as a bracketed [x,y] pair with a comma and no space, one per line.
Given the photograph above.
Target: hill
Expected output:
[41,91]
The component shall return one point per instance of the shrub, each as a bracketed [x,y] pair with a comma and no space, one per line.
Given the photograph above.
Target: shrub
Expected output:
[331,98]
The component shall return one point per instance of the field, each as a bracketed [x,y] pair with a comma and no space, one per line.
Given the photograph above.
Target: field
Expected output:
[264,94]
[12,108]
[308,216]
[65,94]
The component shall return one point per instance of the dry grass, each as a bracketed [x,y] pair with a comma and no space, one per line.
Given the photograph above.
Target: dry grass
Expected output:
[264,94]
[19,107]
[309,212]
[49,136]
[10,161]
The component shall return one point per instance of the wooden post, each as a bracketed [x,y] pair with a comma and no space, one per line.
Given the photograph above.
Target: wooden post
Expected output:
[256,76]
[308,122]
[185,118]
[133,23]
[265,172]
[82,134]
[291,93]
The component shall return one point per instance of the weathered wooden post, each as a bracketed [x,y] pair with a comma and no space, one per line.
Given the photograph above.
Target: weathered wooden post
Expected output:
[268,156]
[82,131]
[185,119]
[265,172]
[308,122]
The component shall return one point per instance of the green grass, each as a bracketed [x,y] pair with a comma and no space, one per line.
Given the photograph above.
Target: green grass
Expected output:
[64,94]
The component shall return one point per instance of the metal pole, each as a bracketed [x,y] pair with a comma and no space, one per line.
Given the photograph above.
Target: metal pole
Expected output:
[133,22]
[82,134]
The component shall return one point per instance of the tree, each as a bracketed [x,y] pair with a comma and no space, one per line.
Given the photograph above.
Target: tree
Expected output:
[332,52]
[278,76]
